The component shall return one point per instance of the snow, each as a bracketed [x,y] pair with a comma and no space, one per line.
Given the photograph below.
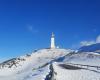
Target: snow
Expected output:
[31,65]
[37,66]
[79,74]
[87,58]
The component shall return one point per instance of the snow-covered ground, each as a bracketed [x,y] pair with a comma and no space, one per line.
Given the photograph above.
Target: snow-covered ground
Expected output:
[87,58]
[33,66]
[36,66]
[77,74]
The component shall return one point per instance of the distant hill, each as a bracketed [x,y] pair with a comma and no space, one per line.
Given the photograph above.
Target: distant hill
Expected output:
[90,48]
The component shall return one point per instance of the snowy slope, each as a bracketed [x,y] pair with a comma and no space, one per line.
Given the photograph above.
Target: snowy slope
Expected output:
[87,58]
[44,64]
[24,67]
[74,74]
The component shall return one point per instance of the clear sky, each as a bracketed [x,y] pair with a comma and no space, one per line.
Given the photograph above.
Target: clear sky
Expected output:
[26,25]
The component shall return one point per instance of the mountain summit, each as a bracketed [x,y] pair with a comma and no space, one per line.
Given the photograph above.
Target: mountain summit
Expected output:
[52,64]
[24,66]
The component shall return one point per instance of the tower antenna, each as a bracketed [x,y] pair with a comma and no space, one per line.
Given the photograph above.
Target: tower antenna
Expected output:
[52,41]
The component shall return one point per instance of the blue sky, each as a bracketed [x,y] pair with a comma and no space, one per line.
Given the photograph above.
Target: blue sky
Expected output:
[26,25]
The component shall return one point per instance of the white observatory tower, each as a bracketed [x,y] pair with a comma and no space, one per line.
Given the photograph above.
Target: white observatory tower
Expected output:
[53,41]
